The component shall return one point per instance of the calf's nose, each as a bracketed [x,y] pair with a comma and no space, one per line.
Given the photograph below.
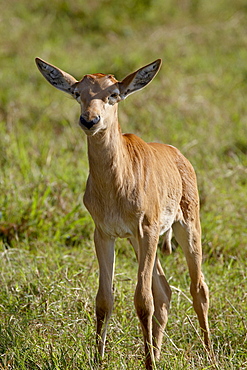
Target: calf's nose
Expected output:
[89,124]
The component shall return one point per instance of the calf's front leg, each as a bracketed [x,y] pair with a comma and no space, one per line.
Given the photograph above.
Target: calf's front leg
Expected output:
[144,302]
[104,246]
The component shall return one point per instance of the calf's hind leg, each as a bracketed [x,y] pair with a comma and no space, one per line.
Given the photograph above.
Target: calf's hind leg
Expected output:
[188,235]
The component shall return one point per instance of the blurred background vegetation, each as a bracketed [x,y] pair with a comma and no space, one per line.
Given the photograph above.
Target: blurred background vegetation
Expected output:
[197,103]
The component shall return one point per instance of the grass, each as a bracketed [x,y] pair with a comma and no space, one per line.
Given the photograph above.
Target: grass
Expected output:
[197,102]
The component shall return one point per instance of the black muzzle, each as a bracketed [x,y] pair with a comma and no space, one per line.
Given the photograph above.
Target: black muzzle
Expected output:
[89,124]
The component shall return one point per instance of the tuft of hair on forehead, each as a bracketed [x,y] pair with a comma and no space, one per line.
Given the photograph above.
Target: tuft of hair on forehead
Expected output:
[95,76]
[112,78]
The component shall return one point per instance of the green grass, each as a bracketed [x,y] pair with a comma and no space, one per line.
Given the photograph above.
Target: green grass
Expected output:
[49,273]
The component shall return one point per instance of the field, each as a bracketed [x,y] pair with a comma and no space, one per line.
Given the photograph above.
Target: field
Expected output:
[197,102]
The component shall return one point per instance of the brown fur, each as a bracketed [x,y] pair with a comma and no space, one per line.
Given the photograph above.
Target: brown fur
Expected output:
[138,191]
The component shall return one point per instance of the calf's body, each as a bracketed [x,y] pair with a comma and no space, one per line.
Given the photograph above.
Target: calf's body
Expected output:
[135,190]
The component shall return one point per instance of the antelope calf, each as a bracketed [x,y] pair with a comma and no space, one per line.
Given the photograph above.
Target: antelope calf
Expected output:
[135,190]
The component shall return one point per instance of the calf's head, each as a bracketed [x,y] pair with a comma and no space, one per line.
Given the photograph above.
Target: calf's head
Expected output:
[98,94]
